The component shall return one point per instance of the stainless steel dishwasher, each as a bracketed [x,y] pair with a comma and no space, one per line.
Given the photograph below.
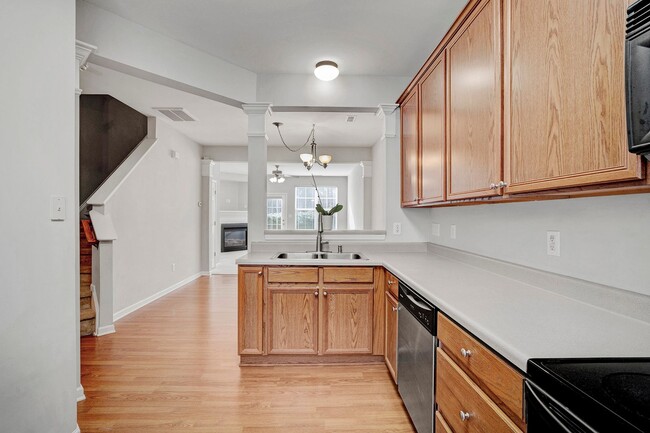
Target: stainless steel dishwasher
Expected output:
[416,343]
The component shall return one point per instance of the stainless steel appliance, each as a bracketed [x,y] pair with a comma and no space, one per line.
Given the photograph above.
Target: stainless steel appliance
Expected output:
[607,395]
[416,343]
[637,77]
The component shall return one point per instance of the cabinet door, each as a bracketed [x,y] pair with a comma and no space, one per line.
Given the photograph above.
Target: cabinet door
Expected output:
[250,284]
[292,321]
[474,105]
[347,320]
[432,136]
[565,101]
[390,348]
[410,149]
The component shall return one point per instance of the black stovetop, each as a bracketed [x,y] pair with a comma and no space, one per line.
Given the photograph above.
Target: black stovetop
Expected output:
[610,394]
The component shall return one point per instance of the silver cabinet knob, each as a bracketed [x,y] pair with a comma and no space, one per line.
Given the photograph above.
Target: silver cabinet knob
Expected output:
[259,273]
[464,416]
[502,184]
[465,352]
[394,308]
[390,283]
[493,186]
[316,293]
[325,293]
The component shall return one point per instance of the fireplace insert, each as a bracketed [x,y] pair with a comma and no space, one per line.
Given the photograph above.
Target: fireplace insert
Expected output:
[234,237]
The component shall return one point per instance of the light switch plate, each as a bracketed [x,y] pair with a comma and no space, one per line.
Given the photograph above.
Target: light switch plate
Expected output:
[57,208]
[397,228]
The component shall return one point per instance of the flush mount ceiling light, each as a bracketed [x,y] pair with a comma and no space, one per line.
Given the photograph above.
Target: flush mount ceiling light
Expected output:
[326,70]
[276,175]
[308,159]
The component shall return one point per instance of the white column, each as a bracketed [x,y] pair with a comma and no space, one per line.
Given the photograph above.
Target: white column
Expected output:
[385,159]
[257,160]
[208,229]
[82,51]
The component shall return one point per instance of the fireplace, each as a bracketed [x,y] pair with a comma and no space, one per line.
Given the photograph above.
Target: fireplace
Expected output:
[234,237]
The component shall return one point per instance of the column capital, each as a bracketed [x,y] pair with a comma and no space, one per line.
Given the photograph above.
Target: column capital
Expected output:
[388,112]
[257,108]
[83,51]
[206,167]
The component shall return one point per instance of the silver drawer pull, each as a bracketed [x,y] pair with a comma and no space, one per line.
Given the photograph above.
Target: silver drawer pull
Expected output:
[465,352]
[464,416]
[394,308]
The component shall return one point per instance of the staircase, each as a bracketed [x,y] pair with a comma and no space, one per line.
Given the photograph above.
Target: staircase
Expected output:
[86,304]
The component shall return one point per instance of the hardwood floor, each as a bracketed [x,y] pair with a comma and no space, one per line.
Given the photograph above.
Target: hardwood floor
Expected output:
[172,366]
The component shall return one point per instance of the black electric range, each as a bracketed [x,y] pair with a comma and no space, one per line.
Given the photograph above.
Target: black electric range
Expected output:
[588,395]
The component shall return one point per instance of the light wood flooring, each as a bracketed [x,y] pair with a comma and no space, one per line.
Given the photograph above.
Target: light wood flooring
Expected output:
[172,366]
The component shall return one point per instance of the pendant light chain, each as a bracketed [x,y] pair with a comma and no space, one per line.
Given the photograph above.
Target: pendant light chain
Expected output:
[311,134]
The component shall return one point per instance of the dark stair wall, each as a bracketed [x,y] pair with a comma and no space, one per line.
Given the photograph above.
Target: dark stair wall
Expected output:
[109,130]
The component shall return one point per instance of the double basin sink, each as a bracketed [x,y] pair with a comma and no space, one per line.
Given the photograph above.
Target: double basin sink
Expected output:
[320,256]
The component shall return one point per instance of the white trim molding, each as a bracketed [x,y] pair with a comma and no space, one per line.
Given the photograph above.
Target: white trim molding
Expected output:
[388,113]
[130,309]
[105,330]
[77,430]
[81,396]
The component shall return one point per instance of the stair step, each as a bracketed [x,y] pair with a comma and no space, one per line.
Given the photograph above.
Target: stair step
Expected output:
[85,303]
[86,313]
[85,292]
[87,327]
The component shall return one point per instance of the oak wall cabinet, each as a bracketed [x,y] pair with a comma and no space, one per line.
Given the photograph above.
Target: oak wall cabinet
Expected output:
[533,107]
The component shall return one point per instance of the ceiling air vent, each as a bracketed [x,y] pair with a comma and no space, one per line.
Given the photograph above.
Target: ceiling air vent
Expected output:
[350,118]
[176,114]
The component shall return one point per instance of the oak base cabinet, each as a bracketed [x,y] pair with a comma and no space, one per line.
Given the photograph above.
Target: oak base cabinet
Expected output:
[250,302]
[390,348]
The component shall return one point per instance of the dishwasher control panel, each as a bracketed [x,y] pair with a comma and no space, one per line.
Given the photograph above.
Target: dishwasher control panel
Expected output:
[419,307]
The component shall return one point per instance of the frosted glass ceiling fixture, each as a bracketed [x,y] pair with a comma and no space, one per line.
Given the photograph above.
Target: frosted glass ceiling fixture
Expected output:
[276,175]
[308,159]
[326,70]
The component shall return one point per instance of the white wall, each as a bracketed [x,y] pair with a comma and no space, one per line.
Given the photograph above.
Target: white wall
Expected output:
[602,239]
[122,42]
[37,256]
[356,196]
[158,220]
[278,154]
[232,196]
[345,91]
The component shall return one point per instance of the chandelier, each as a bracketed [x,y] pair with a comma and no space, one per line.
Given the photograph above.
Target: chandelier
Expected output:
[276,175]
[308,159]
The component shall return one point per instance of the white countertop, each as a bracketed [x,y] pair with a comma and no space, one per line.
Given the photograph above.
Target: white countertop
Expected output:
[518,320]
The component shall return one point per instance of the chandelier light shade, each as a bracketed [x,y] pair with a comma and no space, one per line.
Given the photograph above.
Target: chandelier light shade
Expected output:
[276,175]
[326,70]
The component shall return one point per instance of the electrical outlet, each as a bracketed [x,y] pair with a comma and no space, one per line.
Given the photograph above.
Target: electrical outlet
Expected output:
[452,231]
[435,229]
[173,267]
[397,228]
[553,243]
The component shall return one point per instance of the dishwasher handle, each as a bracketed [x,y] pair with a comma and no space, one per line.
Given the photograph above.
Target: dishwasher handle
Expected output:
[418,303]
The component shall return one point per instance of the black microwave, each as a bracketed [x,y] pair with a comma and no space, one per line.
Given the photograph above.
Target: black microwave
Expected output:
[637,77]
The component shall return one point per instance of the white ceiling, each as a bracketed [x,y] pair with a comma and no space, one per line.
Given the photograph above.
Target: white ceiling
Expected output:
[292,169]
[220,124]
[366,37]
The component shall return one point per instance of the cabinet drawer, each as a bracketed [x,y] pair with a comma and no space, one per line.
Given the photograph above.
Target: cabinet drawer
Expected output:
[458,395]
[441,424]
[392,283]
[348,275]
[292,275]
[496,377]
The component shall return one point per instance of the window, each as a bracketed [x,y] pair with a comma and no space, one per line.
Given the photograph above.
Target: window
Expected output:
[306,199]
[275,212]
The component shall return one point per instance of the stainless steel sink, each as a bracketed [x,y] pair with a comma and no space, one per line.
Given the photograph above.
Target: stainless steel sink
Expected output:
[320,256]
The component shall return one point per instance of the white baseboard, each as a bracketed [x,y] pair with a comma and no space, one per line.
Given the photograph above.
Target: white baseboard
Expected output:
[105,330]
[130,309]
[80,393]
[77,430]
[206,273]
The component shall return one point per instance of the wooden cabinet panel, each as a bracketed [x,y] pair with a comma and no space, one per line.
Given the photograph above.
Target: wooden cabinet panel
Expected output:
[293,321]
[432,134]
[348,274]
[347,320]
[441,424]
[456,393]
[390,349]
[496,377]
[564,94]
[250,309]
[474,105]
[410,149]
[292,274]
[392,284]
